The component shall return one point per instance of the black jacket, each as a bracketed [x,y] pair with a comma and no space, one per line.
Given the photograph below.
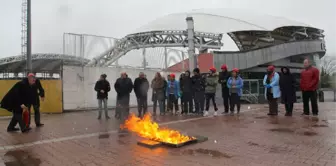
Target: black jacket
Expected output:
[222,79]
[102,85]
[198,83]
[123,87]
[141,86]
[287,86]
[36,91]
[186,84]
[20,93]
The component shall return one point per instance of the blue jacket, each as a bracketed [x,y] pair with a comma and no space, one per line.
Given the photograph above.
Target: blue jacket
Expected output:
[274,85]
[239,84]
[176,91]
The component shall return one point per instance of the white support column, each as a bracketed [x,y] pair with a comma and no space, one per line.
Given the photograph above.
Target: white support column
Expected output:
[144,61]
[165,58]
[183,62]
[191,44]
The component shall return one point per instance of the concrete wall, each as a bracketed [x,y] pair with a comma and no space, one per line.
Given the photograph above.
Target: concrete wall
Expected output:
[245,60]
[78,85]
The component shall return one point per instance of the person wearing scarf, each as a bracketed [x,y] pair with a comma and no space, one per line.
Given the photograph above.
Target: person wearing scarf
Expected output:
[272,90]
[235,84]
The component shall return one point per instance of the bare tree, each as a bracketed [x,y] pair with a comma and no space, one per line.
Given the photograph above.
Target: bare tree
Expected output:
[328,65]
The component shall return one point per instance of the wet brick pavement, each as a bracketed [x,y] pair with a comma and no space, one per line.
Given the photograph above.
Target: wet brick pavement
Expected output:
[252,138]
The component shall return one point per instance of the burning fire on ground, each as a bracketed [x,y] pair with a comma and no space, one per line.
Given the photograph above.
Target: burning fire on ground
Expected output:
[146,128]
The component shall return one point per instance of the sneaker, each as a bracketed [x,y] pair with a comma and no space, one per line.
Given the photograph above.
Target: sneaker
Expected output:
[206,113]
[215,114]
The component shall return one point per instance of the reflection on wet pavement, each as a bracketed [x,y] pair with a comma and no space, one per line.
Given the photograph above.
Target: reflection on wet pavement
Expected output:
[207,152]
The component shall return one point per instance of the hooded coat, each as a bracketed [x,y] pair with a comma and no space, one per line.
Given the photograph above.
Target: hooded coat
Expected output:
[287,87]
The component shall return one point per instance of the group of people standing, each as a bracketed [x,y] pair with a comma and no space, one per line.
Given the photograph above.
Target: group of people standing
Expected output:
[196,91]
[284,86]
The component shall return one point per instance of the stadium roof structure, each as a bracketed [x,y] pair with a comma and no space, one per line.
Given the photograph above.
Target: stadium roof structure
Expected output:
[41,62]
[249,30]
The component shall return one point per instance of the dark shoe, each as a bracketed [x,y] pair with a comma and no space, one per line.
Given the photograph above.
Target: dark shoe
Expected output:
[13,130]
[99,117]
[225,112]
[39,125]
[26,130]
[107,117]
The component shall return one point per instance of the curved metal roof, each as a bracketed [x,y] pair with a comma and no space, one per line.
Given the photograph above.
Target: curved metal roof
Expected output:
[220,21]
[41,61]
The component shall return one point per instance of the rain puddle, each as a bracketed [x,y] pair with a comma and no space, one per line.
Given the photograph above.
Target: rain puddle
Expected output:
[103,136]
[282,130]
[260,117]
[20,158]
[320,125]
[309,133]
[200,151]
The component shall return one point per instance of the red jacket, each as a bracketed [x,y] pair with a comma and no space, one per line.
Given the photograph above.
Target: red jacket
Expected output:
[309,79]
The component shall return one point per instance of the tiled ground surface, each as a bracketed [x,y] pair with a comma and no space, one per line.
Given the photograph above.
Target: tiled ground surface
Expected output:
[249,139]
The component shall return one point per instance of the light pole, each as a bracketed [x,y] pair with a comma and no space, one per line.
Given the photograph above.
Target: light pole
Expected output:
[29,40]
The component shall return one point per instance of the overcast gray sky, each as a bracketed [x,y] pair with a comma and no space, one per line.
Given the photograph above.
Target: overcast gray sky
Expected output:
[117,18]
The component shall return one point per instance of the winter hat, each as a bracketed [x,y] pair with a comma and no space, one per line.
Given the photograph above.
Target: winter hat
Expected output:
[271,68]
[235,70]
[213,70]
[172,75]
[224,67]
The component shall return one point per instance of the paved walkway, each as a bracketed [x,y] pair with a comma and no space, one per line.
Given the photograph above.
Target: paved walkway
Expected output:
[249,139]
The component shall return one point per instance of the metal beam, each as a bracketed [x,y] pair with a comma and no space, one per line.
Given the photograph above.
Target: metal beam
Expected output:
[155,39]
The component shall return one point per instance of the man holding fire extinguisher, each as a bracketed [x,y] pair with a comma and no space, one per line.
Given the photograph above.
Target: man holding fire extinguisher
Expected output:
[17,101]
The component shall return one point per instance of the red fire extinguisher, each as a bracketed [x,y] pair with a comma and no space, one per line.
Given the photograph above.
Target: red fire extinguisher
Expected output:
[26,117]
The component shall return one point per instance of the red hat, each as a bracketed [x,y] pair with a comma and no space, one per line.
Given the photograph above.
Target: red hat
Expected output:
[224,67]
[270,68]
[213,70]
[172,75]
[30,75]
[235,70]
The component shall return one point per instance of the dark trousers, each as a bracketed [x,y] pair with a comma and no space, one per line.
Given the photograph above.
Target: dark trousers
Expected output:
[188,106]
[289,107]
[161,106]
[272,104]
[199,102]
[142,105]
[172,102]
[312,96]
[234,100]
[16,118]
[208,97]
[36,114]
[226,99]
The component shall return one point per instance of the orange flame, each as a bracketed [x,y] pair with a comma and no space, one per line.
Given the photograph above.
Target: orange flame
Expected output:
[146,128]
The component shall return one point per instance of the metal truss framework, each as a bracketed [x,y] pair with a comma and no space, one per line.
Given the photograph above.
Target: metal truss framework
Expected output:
[155,39]
[68,58]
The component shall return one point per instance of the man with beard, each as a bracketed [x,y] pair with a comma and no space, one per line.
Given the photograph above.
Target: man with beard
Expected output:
[17,100]
[102,88]
[186,88]
[123,86]
[141,86]
[310,77]
[198,86]
[223,77]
